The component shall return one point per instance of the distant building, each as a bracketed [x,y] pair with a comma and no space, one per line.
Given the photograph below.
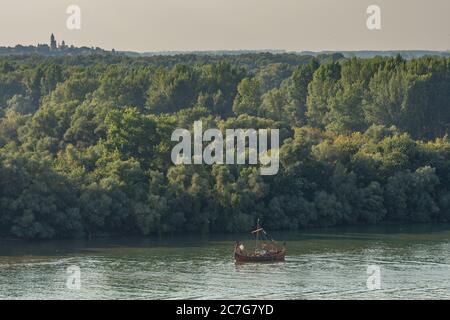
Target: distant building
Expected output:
[53,45]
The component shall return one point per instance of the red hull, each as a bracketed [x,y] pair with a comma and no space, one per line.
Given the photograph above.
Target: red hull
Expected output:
[268,257]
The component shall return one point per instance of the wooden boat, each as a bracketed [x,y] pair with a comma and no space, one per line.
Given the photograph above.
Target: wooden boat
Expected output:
[264,251]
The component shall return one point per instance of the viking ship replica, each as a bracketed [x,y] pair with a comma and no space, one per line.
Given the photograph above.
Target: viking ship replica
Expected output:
[266,249]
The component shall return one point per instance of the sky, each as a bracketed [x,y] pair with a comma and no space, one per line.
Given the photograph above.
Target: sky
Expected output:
[190,25]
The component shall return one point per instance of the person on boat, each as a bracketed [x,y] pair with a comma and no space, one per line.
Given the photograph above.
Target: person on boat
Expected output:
[239,247]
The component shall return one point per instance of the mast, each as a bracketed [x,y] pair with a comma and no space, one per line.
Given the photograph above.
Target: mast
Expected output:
[257,233]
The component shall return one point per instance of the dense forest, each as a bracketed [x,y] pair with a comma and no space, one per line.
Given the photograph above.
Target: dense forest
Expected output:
[85,143]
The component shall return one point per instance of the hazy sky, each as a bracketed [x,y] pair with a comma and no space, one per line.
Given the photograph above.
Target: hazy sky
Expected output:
[158,25]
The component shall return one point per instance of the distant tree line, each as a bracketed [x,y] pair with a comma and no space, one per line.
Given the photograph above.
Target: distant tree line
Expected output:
[85,143]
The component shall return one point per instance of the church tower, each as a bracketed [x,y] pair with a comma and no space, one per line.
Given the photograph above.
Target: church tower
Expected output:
[52,42]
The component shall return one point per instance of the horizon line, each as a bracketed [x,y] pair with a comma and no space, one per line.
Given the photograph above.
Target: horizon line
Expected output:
[268,50]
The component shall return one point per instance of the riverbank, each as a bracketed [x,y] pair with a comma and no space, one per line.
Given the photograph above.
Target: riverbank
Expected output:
[387,227]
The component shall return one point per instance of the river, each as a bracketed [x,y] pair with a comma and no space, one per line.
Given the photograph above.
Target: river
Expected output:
[413,263]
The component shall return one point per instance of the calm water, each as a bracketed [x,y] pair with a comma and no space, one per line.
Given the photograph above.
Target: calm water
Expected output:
[321,264]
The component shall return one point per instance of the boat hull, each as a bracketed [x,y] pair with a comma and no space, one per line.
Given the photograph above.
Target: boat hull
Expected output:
[270,257]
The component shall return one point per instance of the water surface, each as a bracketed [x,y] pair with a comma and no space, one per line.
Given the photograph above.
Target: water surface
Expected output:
[320,264]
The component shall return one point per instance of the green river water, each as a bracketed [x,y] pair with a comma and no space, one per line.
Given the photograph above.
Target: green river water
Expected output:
[414,263]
